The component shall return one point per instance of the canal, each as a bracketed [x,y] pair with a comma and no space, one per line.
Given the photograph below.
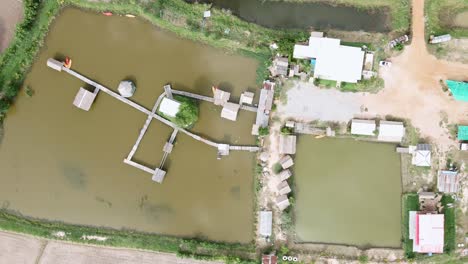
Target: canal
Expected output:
[347,192]
[295,15]
[61,163]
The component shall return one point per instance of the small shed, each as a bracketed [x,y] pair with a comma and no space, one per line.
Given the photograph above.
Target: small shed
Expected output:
[287,144]
[286,162]
[264,156]
[282,202]
[284,175]
[265,223]
[84,99]
[169,107]
[440,39]
[283,188]
[464,146]
[230,111]
[269,259]
[462,133]
[126,88]
[422,155]
[447,181]
[391,131]
[363,127]
[55,64]
[246,98]
[220,97]
[279,66]
[458,89]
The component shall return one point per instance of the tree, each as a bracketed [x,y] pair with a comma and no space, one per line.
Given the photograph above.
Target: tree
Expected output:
[188,112]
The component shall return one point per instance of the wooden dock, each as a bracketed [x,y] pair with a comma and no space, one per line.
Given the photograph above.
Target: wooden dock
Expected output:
[210,99]
[158,173]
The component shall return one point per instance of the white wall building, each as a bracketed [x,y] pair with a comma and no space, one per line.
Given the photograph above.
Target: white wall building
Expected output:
[363,127]
[391,131]
[169,107]
[333,60]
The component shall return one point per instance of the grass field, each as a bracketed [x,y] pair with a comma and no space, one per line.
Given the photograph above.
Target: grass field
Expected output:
[440,12]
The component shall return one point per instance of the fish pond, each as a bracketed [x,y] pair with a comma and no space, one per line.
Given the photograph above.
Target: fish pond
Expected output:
[62,163]
[347,192]
[296,15]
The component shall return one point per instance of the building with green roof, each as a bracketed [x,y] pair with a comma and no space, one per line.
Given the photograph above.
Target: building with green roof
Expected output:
[459,90]
[462,132]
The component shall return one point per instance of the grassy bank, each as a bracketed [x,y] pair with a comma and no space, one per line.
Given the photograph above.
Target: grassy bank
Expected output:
[232,253]
[399,9]
[410,202]
[440,14]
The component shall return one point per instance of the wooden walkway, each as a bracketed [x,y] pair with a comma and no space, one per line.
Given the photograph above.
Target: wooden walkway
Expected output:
[152,114]
[210,99]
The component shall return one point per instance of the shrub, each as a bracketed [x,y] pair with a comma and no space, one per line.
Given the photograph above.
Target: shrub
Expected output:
[277,168]
[263,131]
[188,112]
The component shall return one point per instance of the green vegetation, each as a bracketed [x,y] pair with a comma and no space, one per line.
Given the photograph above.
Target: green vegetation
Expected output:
[129,239]
[324,83]
[449,225]
[16,60]
[277,168]
[440,14]
[188,112]
[372,85]
[263,131]
[287,131]
[410,202]
[363,259]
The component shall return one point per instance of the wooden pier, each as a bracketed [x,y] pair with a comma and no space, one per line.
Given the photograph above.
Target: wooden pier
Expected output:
[158,173]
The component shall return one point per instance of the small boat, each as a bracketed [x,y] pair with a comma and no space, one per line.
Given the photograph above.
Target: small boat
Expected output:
[107,13]
[68,62]
[130,15]
[320,136]
[214,88]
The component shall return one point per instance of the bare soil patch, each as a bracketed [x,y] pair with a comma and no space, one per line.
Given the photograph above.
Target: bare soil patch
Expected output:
[11,12]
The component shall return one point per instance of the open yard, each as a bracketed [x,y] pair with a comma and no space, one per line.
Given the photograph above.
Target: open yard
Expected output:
[348,192]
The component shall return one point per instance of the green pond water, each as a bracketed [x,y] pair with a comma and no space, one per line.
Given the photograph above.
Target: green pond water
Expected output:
[348,192]
[61,163]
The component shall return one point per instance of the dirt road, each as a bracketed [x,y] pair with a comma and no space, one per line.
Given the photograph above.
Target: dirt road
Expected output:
[17,248]
[11,12]
[413,90]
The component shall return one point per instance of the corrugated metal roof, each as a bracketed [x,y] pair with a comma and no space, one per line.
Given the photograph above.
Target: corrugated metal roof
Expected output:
[363,127]
[266,221]
[169,107]
[448,181]
[459,90]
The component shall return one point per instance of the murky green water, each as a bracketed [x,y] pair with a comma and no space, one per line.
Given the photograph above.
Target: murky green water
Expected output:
[319,16]
[348,192]
[61,163]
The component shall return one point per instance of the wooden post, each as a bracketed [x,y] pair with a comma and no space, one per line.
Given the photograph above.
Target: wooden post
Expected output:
[168,91]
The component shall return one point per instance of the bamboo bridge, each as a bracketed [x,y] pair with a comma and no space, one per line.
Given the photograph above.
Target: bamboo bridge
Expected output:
[158,173]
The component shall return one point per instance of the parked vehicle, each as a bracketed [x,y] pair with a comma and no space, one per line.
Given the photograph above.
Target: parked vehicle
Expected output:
[385,63]
[401,40]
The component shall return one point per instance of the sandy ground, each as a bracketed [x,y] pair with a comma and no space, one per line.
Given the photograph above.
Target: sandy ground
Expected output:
[17,248]
[11,12]
[454,50]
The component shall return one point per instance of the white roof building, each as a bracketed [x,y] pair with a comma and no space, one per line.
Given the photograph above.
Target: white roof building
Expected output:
[391,131]
[363,127]
[421,155]
[84,99]
[169,107]
[333,60]
[246,98]
[230,111]
[427,232]
[126,88]
[265,222]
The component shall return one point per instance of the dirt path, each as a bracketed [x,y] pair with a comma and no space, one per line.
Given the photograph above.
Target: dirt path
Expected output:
[16,248]
[11,12]
[413,90]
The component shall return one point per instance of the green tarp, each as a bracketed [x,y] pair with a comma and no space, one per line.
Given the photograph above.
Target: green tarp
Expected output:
[459,90]
[462,132]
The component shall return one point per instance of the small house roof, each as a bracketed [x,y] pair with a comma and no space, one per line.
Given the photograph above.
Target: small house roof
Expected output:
[429,233]
[246,98]
[220,97]
[282,202]
[459,90]
[169,107]
[126,88]
[230,111]
[269,259]
[363,127]
[447,181]
[265,223]
[84,99]
[284,175]
[286,162]
[283,188]
[391,131]
[287,144]
[421,158]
